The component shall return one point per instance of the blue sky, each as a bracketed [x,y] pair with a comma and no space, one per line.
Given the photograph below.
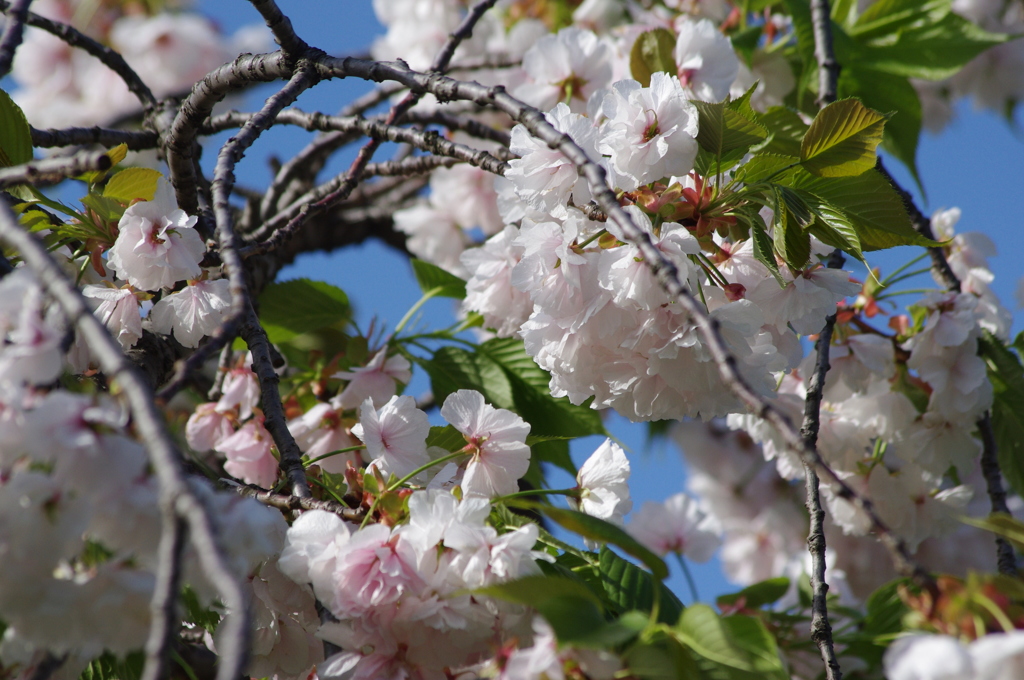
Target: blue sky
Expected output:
[977,164]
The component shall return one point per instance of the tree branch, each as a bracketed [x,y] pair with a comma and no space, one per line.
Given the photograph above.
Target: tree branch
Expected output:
[136,140]
[163,612]
[14,30]
[828,67]
[281,27]
[821,629]
[242,316]
[296,503]
[51,170]
[179,145]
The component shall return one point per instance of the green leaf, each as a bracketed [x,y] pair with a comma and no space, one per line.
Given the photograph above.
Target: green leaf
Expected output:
[432,278]
[723,128]
[15,134]
[870,203]
[787,130]
[109,667]
[765,165]
[1007,377]
[601,531]
[290,308]
[764,253]
[886,92]
[453,368]
[739,642]
[447,438]
[661,659]
[889,17]
[842,139]
[652,52]
[628,587]
[757,595]
[831,226]
[531,394]
[792,242]
[131,184]
[932,50]
[573,611]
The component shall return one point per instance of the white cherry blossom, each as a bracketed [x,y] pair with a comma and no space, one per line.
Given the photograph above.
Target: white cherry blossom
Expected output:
[194,312]
[157,245]
[603,483]
[497,442]
[705,60]
[650,132]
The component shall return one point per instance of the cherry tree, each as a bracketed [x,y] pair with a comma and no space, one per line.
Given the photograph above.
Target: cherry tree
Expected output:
[666,209]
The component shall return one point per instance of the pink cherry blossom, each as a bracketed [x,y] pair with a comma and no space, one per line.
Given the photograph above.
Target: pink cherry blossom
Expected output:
[319,431]
[119,311]
[207,427]
[678,526]
[374,381]
[249,454]
[157,245]
[395,436]
[497,441]
[193,312]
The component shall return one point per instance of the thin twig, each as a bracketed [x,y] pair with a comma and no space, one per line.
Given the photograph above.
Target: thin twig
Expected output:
[348,124]
[828,67]
[821,629]
[165,591]
[110,58]
[1006,560]
[358,166]
[14,29]
[281,27]
[294,503]
[241,315]
[311,159]
[276,421]
[165,458]
[49,170]
[180,146]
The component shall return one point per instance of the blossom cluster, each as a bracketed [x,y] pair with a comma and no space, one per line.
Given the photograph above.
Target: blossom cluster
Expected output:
[60,87]
[81,505]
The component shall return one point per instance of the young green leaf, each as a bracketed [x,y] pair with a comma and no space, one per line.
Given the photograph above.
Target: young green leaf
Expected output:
[739,642]
[15,134]
[601,531]
[630,587]
[652,52]
[432,278]
[131,184]
[290,308]
[724,128]
[572,610]
[1007,376]
[842,140]
[869,202]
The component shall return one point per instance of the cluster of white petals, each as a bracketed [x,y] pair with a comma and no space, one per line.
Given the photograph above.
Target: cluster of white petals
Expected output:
[401,596]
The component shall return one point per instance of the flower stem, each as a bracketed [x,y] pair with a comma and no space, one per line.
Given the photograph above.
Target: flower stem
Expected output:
[335,453]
